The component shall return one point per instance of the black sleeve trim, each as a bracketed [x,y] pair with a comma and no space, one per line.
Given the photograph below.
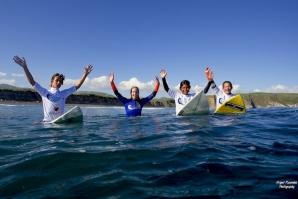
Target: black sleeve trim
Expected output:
[208,86]
[165,85]
[116,93]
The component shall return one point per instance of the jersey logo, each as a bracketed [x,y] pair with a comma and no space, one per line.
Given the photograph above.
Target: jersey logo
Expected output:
[130,107]
[53,98]
[180,101]
[56,108]
[220,100]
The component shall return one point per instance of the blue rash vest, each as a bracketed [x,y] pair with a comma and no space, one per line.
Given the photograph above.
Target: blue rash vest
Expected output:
[131,106]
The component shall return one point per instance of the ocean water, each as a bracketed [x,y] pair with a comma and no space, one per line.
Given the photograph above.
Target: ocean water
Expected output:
[158,155]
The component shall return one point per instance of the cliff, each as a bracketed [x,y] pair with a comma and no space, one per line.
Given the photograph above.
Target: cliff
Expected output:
[251,99]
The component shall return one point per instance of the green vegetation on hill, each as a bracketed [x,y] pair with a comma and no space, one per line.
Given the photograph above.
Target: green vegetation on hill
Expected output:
[93,93]
[271,99]
[13,88]
[90,97]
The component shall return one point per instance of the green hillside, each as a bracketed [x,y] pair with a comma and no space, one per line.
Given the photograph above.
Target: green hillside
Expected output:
[11,93]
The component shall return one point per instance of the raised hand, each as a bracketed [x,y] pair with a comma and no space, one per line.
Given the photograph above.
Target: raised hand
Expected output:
[19,61]
[88,69]
[111,76]
[157,80]
[209,74]
[22,63]
[163,73]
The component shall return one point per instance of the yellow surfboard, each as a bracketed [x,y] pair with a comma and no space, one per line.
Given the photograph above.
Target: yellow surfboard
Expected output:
[233,105]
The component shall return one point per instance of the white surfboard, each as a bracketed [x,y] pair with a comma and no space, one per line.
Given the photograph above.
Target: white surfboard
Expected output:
[73,115]
[198,105]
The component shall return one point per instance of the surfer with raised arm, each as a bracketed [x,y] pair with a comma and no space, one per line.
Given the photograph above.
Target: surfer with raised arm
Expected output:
[53,99]
[221,96]
[134,105]
[180,98]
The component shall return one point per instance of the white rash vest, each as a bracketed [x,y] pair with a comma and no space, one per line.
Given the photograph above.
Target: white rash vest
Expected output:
[53,101]
[221,97]
[180,99]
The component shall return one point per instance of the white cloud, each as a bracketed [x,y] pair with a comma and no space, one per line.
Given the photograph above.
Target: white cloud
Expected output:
[176,88]
[2,74]
[103,82]
[193,89]
[236,88]
[281,89]
[95,83]
[17,75]
[126,85]
[256,91]
[7,81]
[197,88]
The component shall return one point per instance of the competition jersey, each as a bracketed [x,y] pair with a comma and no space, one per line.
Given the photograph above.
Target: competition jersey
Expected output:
[221,97]
[53,101]
[180,99]
[132,108]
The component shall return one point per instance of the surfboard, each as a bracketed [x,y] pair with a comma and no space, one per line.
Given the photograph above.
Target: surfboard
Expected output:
[233,105]
[198,105]
[73,115]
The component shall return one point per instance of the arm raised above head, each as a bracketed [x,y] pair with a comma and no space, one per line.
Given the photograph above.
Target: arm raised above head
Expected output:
[87,71]
[23,64]
[156,87]
[111,75]
[157,84]
[163,75]
[210,76]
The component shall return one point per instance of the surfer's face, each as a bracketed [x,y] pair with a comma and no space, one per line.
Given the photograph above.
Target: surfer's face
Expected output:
[184,89]
[227,88]
[57,82]
[134,93]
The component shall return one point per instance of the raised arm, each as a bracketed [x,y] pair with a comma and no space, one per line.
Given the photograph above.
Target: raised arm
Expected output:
[113,85]
[210,76]
[87,71]
[156,86]
[163,75]
[22,63]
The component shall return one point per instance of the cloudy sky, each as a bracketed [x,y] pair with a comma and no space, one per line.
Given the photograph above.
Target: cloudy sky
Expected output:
[254,44]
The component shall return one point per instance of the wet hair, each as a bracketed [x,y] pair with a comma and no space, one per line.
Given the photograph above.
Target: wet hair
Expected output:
[58,75]
[138,98]
[228,83]
[185,82]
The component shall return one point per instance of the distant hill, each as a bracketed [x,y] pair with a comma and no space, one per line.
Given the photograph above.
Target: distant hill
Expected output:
[251,100]
[5,86]
[93,93]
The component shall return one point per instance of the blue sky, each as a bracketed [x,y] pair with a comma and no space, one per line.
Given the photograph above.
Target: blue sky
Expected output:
[252,43]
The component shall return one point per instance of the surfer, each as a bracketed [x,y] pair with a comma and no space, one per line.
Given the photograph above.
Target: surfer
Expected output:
[53,100]
[221,96]
[134,105]
[180,98]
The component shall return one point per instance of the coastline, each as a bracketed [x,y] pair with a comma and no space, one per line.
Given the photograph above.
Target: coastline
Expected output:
[23,103]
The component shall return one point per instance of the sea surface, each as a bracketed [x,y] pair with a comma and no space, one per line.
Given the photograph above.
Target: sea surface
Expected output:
[158,155]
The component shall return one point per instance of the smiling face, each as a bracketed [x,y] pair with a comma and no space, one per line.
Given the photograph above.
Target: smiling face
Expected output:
[56,82]
[185,89]
[134,92]
[227,87]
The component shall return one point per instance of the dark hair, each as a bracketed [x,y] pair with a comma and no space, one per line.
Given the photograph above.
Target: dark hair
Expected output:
[185,82]
[138,99]
[58,75]
[228,83]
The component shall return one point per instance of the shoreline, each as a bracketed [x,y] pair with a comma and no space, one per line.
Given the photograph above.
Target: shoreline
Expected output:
[23,103]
